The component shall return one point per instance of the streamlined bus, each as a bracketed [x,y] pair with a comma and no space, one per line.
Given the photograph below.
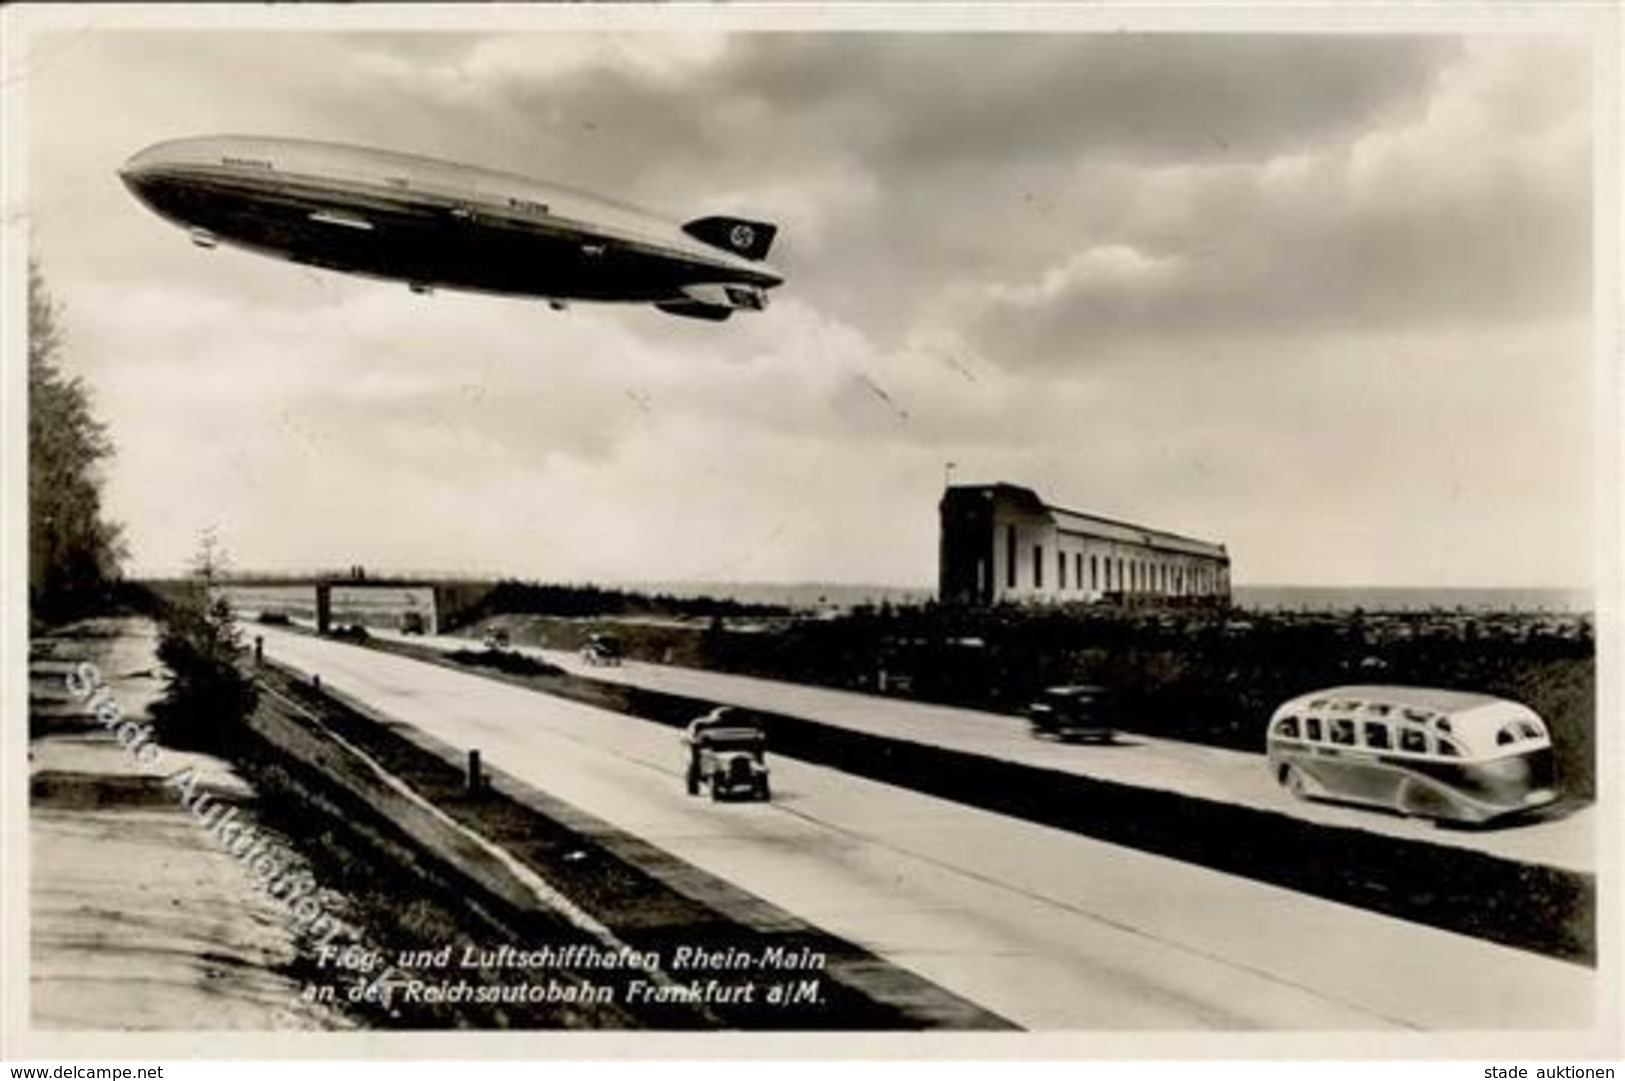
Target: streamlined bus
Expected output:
[1446,755]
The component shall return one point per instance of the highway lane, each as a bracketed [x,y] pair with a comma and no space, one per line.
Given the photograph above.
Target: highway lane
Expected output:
[1214,773]
[1049,929]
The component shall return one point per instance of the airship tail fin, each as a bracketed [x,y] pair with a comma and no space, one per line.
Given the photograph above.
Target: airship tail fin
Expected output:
[750,239]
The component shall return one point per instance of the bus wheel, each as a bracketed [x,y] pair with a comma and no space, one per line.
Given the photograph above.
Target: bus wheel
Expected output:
[1293,780]
[1420,801]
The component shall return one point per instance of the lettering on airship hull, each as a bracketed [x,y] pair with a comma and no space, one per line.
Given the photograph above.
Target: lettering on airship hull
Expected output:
[433,223]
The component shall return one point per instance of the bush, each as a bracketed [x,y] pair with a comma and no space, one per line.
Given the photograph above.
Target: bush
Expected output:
[510,597]
[515,664]
[208,695]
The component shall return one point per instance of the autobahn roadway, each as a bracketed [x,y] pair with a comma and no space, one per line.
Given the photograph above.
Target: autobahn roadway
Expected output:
[1565,839]
[1051,930]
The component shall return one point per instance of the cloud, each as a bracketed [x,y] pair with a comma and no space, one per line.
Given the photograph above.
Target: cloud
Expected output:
[1467,214]
[1325,298]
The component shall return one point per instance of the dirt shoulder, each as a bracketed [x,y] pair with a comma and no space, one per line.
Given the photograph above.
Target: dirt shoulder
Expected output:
[140,919]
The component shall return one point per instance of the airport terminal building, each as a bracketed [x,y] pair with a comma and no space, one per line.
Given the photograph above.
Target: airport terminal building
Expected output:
[1000,543]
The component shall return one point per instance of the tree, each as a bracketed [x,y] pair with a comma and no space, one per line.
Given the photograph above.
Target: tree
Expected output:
[73,550]
[208,695]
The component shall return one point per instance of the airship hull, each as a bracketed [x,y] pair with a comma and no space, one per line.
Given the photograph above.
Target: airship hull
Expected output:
[440,225]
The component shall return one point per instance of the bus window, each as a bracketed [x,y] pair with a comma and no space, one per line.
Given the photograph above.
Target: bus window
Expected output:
[1311,727]
[1287,728]
[1448,748]
[1529,731]
[1376,735]
[1381,709]
[1344,705]
[1505,736]
[1342,731]
[1413,740]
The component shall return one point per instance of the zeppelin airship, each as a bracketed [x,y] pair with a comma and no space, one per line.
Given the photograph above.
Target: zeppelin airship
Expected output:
[436,224]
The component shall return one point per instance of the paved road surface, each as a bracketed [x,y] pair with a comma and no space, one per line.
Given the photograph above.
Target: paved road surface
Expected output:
[1051,930]
[1210,772]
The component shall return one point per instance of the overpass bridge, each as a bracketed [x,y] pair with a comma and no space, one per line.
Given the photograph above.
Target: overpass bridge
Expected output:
[406,604]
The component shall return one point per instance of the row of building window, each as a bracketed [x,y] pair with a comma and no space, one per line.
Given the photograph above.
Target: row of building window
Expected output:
[1111,573]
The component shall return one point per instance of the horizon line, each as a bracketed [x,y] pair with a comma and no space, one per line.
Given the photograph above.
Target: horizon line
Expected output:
[390,574]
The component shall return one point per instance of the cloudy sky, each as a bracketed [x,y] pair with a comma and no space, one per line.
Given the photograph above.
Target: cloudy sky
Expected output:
[1325,299]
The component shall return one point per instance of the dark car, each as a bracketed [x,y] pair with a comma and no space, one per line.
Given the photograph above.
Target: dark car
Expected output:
[1074,712]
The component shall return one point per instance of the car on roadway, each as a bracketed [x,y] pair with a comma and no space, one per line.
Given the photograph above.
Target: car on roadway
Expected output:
[726,754]
[603,650]
[1072,713]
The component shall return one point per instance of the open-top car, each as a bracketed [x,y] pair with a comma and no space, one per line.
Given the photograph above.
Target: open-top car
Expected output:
[1073,712]
[727,755]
